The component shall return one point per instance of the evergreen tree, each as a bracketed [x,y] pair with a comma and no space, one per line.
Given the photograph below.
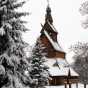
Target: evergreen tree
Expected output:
[39,71]
[13,63]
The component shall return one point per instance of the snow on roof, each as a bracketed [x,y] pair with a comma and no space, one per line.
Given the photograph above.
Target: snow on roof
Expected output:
[55,71]
[52,27]
[80,85]
[54,44]
[63,68]
[61,62]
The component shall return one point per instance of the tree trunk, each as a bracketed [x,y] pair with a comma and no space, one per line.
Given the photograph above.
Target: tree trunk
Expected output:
[84,85]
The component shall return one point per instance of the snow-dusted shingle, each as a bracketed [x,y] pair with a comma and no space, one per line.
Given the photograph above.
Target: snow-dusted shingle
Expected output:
[55,71]
[52,27]
[61,62]
[63,68]
[55,45]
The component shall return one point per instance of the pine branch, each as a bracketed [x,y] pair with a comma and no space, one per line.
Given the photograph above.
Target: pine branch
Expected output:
[11,43]
[13,14]
[15,6]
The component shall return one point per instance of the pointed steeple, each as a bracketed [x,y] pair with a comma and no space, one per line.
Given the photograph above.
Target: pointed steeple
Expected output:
[49,37]
[48,16]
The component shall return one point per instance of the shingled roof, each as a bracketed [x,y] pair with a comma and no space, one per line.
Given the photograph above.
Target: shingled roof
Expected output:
[52,27]
[63,68]
[55,45]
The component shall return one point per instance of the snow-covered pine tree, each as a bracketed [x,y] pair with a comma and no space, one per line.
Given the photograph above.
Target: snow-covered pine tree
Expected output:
[39,71]
[13,63]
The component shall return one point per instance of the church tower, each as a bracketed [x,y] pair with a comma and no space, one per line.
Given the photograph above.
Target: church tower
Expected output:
[48,37]
[58,66]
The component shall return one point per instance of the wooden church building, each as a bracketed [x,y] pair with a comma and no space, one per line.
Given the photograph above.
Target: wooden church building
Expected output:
[58,67]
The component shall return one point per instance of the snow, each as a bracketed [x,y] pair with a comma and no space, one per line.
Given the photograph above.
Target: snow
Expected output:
[54,87]
[55,71]
[52,27]
[2,70]
[7,25]
[26,73]
[61,62]
[54,44]
[62,86]
[2,31]
[28,51]
[63,68]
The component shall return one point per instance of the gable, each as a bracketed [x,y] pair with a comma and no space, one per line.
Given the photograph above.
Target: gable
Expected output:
[51,52]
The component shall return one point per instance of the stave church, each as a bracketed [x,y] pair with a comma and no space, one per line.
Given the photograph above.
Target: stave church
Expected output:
[59,69]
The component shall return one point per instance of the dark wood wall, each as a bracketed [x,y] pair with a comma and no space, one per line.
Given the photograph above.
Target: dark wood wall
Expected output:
[60,54]
[60,80]
[51,52]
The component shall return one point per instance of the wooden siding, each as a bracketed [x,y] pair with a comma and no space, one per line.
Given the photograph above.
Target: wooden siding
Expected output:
[51,52]
[60,80]
[60,54]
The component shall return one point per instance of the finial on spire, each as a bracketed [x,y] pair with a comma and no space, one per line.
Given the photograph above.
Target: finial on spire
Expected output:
[48,2]
[48,6]
[48,13]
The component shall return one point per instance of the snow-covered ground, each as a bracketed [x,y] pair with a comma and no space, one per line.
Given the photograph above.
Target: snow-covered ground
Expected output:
[73,86]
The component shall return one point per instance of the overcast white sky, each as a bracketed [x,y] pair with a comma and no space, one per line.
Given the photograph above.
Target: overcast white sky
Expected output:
[66,17]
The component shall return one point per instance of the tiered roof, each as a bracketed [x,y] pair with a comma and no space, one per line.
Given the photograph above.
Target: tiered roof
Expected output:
[57,66]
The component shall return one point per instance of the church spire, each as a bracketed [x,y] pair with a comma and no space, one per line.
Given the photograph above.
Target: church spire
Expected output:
[48,16]
[48,2]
